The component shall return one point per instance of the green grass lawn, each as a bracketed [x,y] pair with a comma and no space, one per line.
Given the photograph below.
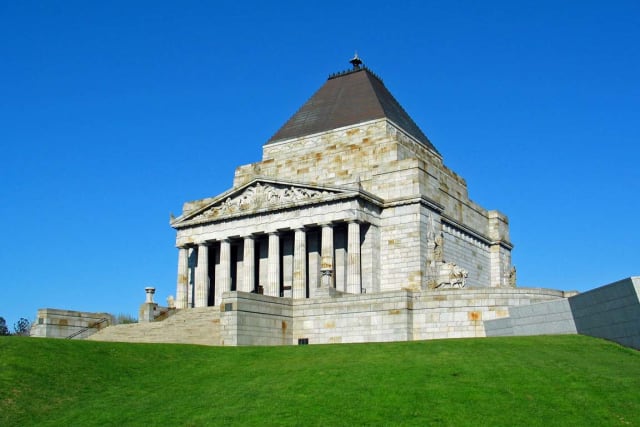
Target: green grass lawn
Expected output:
[528,381]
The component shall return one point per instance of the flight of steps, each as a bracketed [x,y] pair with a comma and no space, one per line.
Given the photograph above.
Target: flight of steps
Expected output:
[192,326]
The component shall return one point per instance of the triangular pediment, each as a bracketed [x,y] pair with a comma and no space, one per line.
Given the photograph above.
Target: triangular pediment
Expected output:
[261,195]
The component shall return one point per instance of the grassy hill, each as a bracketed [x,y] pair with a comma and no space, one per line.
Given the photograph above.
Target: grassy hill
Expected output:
[563,380]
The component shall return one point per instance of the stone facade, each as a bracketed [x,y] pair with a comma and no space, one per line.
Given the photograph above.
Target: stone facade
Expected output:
[349,229]
[372,174]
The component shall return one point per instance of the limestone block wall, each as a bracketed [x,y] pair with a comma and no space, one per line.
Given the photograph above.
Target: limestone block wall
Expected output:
[56,323]
[401,315]
[377,155]
[405,315]
[468,252]
[501,267]
[398,179]
[461,313]
[353,318]
[402,256]
[252,319]
[338,157]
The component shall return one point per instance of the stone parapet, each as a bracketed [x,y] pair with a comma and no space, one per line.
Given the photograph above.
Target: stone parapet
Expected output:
[404,315]
[56,323]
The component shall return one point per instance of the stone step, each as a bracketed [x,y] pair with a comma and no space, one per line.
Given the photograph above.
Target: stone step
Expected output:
[193,326]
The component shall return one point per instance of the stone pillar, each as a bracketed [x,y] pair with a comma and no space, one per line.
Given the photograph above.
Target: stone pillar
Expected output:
[326,263]
[225,269]
[502,272]
[148,308]
[273,280]
[248,265]
[182,289]
[202,277]
[300,264]
[354,281]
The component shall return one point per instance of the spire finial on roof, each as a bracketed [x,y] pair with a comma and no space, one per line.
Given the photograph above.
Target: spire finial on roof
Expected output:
[356,62]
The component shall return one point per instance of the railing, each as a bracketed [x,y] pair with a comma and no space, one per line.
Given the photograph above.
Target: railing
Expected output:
[164,313]
[85,329]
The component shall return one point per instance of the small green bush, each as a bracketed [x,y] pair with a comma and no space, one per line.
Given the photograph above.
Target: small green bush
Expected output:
[123,319]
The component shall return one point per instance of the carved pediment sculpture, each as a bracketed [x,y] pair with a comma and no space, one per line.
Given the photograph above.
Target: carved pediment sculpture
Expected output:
[260,196]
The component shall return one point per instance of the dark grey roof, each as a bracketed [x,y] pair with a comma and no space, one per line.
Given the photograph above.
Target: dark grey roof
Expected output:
[349,98]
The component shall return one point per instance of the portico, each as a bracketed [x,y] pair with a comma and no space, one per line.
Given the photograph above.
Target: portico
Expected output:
[274,238]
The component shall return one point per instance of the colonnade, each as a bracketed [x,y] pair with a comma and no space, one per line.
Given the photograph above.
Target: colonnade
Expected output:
[201,284]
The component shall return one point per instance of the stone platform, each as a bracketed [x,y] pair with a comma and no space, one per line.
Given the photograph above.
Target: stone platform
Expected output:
[252,319]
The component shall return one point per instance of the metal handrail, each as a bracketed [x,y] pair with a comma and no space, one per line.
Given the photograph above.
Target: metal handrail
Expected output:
[85,329]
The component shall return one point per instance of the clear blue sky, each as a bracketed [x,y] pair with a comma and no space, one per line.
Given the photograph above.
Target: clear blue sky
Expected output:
[112,114]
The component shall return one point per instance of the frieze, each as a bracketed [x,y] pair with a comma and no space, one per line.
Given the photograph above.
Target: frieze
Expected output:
[262,196]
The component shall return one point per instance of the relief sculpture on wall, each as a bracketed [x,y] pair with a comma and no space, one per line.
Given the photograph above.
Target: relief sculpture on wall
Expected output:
[450,275]
[262,196]
[441,274]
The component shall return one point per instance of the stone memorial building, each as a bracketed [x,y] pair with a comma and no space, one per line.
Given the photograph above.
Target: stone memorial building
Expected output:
[350,229]
[350,195]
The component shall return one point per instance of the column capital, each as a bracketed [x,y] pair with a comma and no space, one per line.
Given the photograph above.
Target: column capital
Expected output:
[203,243]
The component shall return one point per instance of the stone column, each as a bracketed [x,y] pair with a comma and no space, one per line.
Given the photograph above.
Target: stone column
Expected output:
[354,282]
[273,279]
[300,264]
[248,265]
[182,289]
[225,269]
[326,252]
[202,277]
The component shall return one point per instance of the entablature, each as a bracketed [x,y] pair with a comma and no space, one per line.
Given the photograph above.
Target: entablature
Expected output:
[263,195]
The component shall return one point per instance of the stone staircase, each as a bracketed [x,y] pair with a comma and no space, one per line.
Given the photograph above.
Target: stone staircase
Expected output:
[192,326]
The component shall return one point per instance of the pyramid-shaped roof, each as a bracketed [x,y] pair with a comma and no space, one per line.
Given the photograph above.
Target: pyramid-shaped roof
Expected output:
[349,98]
